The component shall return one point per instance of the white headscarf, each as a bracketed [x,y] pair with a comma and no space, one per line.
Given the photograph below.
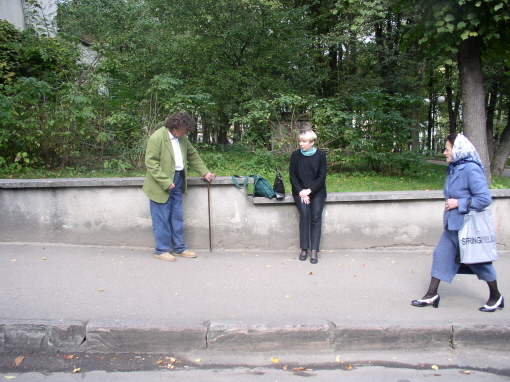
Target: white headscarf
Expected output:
[463,151]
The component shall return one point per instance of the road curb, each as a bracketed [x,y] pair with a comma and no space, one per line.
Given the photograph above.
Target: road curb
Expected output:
[41,335]
[392,336]
[143,336]
[231,336]
[482,336]
[157,337]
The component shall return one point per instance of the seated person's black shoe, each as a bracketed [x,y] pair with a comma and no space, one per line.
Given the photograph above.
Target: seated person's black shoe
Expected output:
[313,257]
[303,255]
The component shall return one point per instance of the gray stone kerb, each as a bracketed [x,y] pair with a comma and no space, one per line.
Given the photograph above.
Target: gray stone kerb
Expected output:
[222,181]
[156,337]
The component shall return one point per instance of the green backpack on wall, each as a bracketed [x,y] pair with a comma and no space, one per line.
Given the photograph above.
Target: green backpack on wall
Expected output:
[261,187]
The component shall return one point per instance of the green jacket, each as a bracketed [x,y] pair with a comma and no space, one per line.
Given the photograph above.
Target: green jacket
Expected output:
[160,164]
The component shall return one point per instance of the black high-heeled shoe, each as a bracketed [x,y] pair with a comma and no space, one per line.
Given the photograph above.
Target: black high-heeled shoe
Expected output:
[303,255]
[434,301]
[313,259]
[498,305]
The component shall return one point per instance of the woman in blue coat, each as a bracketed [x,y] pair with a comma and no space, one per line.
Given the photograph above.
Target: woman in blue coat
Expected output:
[465,189]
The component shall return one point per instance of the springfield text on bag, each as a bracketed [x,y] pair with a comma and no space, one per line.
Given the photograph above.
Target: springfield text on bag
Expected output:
[478,240]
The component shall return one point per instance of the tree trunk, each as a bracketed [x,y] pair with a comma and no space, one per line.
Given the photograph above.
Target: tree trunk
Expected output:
[430,122]
[473,98]
[452,105]
[503,151]
[491,108]
[415,131]
[224,127]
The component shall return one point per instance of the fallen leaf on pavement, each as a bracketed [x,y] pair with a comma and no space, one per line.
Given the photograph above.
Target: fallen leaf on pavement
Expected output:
[337,359]
[465,372]
[198,360]
[275,360]
[349,367]
[434,367]
[18,360]
[69,356]
[299,368]
[10,377]
[170,366]
[285,367]
[310,273]
[77,370]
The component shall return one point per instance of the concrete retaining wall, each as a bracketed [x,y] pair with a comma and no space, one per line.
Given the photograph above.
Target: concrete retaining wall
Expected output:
[115,211]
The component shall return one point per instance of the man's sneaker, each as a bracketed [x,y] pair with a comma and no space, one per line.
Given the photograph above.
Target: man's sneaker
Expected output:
[165,257]
[186,253]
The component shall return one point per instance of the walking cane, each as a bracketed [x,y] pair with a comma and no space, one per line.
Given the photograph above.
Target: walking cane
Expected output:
[209,213]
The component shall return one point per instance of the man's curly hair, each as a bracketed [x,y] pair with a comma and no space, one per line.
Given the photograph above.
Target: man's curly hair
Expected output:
[180,121]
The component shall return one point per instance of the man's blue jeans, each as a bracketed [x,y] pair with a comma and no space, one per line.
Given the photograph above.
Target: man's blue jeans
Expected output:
[168,220]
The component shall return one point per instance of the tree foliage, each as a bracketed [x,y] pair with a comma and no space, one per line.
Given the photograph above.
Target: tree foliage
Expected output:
[37,103]
[470,30]
[249,71]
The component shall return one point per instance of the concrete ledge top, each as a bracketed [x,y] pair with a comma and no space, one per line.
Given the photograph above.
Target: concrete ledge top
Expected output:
[98,182]
[378,196]
[221,181]
[363,196]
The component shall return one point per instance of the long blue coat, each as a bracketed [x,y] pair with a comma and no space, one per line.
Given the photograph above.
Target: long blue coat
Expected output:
[467,184]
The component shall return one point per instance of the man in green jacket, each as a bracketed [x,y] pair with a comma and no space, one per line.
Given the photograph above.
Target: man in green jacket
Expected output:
[167,156]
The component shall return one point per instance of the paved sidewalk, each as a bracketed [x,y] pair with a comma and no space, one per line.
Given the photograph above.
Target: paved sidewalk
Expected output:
[100,298]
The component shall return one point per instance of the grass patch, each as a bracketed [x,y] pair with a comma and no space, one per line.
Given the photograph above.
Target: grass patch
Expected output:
[239,161]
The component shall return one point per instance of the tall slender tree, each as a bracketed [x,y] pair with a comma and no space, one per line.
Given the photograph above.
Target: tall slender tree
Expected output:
[470,29]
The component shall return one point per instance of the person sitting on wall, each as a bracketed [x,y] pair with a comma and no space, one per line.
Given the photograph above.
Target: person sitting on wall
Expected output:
[166,158]
[307,171]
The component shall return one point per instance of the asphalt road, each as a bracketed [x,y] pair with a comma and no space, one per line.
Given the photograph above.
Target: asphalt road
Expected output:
[453,365]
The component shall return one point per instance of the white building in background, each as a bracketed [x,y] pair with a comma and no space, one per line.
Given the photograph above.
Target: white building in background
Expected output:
[13,12]
[21,14]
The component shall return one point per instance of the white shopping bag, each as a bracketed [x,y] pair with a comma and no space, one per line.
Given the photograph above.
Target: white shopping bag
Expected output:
[477,239]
